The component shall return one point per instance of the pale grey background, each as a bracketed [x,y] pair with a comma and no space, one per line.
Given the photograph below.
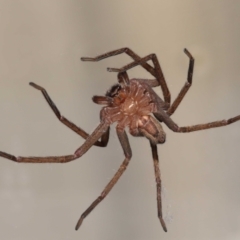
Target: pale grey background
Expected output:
[42,41]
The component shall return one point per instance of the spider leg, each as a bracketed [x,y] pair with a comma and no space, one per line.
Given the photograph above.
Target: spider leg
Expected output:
[123,78]
[128,154]
[158,184]
[158,73]
[128,51]
[163,116]
[151,82]
[104,138]
[97,133]
[186,86]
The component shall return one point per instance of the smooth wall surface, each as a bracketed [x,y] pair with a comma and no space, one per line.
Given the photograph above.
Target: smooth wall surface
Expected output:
[42,42]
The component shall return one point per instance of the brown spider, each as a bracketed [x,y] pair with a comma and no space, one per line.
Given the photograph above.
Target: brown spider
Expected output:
[130,103]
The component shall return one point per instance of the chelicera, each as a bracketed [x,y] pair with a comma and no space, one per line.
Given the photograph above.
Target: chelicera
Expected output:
[131,103]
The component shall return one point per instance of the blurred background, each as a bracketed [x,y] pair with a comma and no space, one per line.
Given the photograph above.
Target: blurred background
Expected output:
[42,41]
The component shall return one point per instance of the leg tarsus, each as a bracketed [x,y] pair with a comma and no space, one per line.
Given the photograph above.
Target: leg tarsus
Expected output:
[85,213]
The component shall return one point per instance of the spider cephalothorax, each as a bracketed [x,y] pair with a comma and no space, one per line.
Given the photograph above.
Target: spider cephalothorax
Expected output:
[132,104]
[128,102]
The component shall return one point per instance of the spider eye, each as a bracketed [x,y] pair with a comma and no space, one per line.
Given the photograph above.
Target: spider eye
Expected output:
[113,91]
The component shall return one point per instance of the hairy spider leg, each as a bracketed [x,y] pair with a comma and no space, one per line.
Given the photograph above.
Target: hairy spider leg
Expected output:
[158,183]
[156,72]
[91,139]
[152,82]
[128,154]
[163,117]
[104,138]
[186,86]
